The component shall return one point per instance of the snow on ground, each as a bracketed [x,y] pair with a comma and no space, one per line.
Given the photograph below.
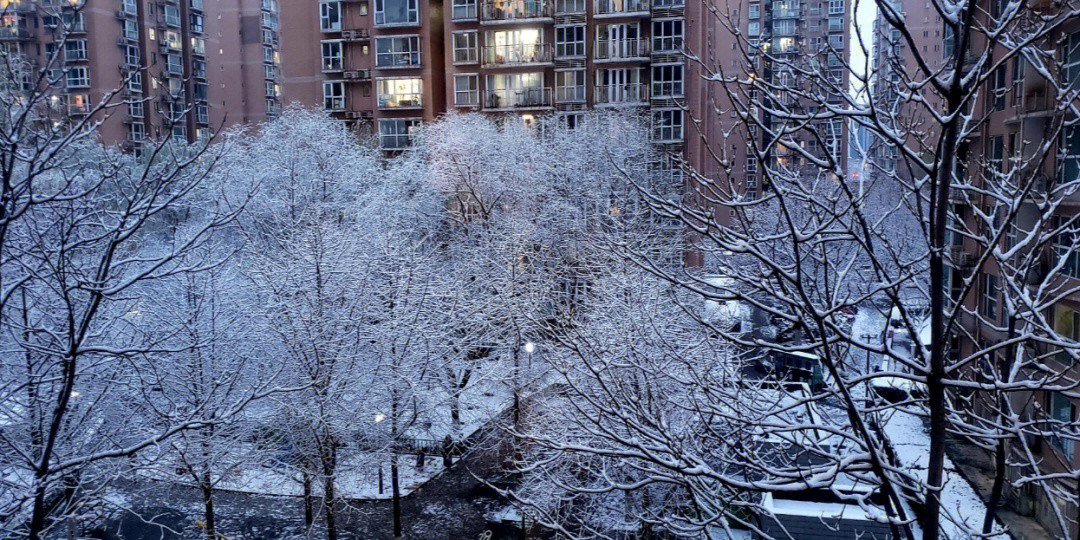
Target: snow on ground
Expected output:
[962,509]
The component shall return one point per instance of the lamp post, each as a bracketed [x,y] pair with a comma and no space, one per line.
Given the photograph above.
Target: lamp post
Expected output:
[529,348]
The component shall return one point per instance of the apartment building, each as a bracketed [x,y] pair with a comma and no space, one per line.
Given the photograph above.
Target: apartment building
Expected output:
[180,68]
[1020,109]
[778,39]
[378,66]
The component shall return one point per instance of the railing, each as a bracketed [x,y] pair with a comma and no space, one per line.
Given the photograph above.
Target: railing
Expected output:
[570,94]
[517,10]
[523,97]
[615,7]
[531,53]
[622,93]
[626,48]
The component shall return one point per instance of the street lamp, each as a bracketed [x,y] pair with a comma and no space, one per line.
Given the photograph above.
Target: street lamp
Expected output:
[529,348]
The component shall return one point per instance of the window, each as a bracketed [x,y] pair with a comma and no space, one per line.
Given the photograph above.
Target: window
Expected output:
[75,49]
[78,77]
[465,47]
[198,46]
[667,80]
[272,89]
[78,104]
[667,125]
[330,16]
[755,11]
[836,41]
[570,41]
[995,153]
[196,23]
[1066,250]
[202,114]
[753,29]
[521,46]
[135,109]
[570,86]
[1062,410]
[397,51]
[333,95]
[989,296]
[172,15]
[396,12]
[134,82]
[614,41]
[136,132]
[667,3]
[198,68]
[836,7]
[667,35]
[171,39]
[466,90]
[1067,327]
[131,30]
[569,6]
[400,93]
[836,24]
[998,89]
[516,90]
[331,56]
[173,64]
[395,134]
[784,27]
[129,7]
[463,10]
[179,134]
[619,85]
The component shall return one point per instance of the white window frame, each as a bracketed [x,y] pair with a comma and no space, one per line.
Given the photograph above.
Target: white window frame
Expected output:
[570,93]
[470,97]
[401,133]
[466,54]
[394,56]
[669,87]
[78,77]
[570,48]
[334,95]
[412,13]
[669,131]
[328,22]
[664,42]
[463,10]
[389,98]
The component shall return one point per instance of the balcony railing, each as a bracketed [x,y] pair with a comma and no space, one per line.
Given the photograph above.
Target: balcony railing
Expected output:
[531,53]
[517,98]
[570,94]
[517,10]
[622,94]
[619,7]
[623,49]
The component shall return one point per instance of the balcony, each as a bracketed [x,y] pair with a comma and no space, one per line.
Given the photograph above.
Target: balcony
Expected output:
[627,49]
[517,55]
[15,32]
[570,94]
[1035,103]
[621,8]
[622,95]
[355,35]
[516,11]
[521,98]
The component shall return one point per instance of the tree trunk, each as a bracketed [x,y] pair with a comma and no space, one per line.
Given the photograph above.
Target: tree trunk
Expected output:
[328,498]
[396,487]
[308,517]
[208,505]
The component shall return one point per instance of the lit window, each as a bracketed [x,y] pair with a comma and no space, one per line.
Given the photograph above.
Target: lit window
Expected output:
[404,93]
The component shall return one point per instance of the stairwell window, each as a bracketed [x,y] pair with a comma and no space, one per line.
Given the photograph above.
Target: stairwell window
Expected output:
[465,47]
[467,90]
[570,41]
[989,296]
[667,125]
[667,80]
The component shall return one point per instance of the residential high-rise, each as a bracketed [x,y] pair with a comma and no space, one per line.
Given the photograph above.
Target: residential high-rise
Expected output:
[182,68]
[1020,109]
